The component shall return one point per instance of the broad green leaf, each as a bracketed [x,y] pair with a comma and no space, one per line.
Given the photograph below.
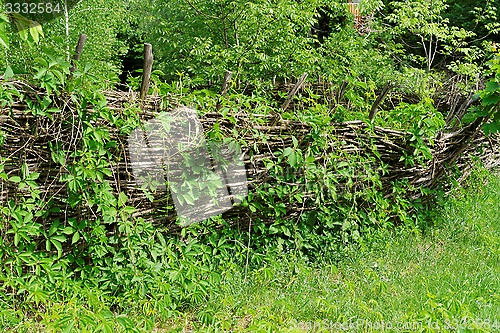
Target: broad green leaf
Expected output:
[34,33]
[33,176]
[469,117]
[42,62]
[58,246]
[362,84]
[491,128]
[15,179]
[125,322]
[122,199]
[292,159]
[4,38]
[129,210]
[54,227]
[28,218]
[60,238]
[189,198]
[23,31]
[492,86]
[59,75]
[41,73]
[39,29]
[491,99]
[75,238]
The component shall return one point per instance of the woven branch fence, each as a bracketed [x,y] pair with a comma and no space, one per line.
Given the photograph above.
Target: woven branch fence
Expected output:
[27,139]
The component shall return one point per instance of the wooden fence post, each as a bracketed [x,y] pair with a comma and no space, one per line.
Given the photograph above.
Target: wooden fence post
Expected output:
[341,91]
[379,101]
[224,88]
[292,93]
[225,84]
[146,73]
[78,51]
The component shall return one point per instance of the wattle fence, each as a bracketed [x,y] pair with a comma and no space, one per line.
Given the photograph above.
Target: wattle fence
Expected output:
[27,139]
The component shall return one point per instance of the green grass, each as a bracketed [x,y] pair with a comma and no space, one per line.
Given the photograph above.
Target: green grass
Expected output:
[446,279]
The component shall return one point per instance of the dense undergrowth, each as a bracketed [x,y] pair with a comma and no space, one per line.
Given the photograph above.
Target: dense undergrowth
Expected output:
[73,275]
[359,256]
[45,259]
[437,279]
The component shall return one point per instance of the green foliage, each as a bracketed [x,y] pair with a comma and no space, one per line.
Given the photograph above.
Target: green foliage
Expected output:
[4,38]
[424,21]
[347,55]
[100,20]
[107,270]
[482,18]
[28,30]
[392,277]
[137,259]
[29,35]
[257,41]
[253,39]
[489,110]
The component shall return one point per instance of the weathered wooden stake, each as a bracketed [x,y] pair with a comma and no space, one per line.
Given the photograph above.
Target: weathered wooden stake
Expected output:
[224,88]
[225,84]
[146,73]
[341,91]
[292,93]
[78,51]
[378,101]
